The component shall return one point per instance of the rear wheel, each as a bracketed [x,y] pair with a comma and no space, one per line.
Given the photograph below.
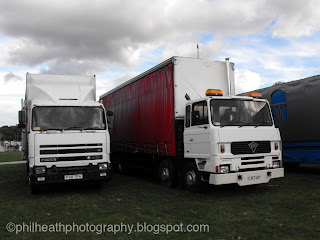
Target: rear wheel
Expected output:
[291,165]
[35,189]
[167,174]
[192,178]
[121,167]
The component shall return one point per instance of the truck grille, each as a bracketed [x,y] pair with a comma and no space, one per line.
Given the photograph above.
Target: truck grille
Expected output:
[49,153]
[250,147]
[76,158]
[67,151]
[71,145]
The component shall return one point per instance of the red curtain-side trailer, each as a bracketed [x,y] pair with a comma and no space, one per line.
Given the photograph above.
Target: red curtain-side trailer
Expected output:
[143,115]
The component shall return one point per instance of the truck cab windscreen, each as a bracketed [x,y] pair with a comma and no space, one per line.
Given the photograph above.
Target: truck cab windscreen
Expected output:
[237,112]
[68,118]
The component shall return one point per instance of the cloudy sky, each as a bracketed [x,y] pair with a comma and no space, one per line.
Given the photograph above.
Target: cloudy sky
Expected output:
[268,40]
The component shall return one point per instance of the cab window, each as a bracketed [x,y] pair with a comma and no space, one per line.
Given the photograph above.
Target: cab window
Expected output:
[188,111]
[199,113]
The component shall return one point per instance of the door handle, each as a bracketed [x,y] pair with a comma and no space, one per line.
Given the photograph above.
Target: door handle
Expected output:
[191,139]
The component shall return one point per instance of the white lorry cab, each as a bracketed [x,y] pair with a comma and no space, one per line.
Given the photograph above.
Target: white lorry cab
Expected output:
[64,130]
[232,139]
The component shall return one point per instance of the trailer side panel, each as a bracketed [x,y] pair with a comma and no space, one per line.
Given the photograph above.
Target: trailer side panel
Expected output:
[143,115]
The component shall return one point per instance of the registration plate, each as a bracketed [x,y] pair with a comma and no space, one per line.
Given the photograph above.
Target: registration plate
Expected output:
[253,178]
[71,177]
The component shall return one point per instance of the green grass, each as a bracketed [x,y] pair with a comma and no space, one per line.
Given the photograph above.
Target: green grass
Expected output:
[287,208]
[10,156]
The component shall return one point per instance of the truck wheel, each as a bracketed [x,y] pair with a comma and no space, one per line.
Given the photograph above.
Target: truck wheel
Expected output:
[115,166]
[291,165]
[192,178]
[35,189]
[121,167]
[167,174]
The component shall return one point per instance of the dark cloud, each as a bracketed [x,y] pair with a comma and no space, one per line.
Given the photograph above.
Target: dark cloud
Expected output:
[74,67]
[116,32]
[11,76]
[82,36]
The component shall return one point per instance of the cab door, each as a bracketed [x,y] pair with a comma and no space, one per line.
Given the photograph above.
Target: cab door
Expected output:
[196,134]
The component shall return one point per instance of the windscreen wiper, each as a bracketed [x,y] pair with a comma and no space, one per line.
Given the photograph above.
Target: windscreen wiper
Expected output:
[50,129]
[236,124]
[72,128]
[92,128]
[241,124]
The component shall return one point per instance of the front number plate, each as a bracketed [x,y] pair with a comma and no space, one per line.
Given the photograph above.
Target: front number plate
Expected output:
[253,178]
[75,176]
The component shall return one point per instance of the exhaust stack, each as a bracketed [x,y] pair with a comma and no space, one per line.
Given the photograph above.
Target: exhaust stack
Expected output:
[228,76]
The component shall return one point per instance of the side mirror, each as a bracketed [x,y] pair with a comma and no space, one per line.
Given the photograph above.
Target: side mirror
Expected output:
[109,113]
[22,117]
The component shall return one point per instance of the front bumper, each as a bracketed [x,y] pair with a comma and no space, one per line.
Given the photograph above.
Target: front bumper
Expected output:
[246,178]
[58,175]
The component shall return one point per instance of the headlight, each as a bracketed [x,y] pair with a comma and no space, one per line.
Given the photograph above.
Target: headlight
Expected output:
[276,146]
[40,170]
[276,164]
[103,166]
[224,168]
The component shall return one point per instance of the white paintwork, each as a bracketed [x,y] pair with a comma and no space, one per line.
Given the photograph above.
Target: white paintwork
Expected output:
[247,178]
[61,90]
[248,133]
[230,134]
[194,76]
[198,142]
[58,138]
[203,144]
[50,89]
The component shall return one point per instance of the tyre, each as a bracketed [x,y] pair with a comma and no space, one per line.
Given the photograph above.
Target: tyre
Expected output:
[121,167]
[192,178]
[115,166]
[167,175]
[35,189]
[291,165]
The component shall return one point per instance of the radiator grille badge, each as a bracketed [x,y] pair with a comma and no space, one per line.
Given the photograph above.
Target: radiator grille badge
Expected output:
[253,146]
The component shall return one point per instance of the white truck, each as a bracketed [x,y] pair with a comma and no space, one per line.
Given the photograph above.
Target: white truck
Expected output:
[64,130]
[183,118]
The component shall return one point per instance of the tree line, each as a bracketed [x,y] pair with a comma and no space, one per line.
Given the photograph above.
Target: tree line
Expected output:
[10,133]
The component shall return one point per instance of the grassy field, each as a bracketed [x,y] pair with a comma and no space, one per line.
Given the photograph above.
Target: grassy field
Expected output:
[287,208]
[10,156]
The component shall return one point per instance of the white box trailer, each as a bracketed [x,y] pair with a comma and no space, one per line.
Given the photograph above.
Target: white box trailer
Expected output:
[166,116]
[64,131]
